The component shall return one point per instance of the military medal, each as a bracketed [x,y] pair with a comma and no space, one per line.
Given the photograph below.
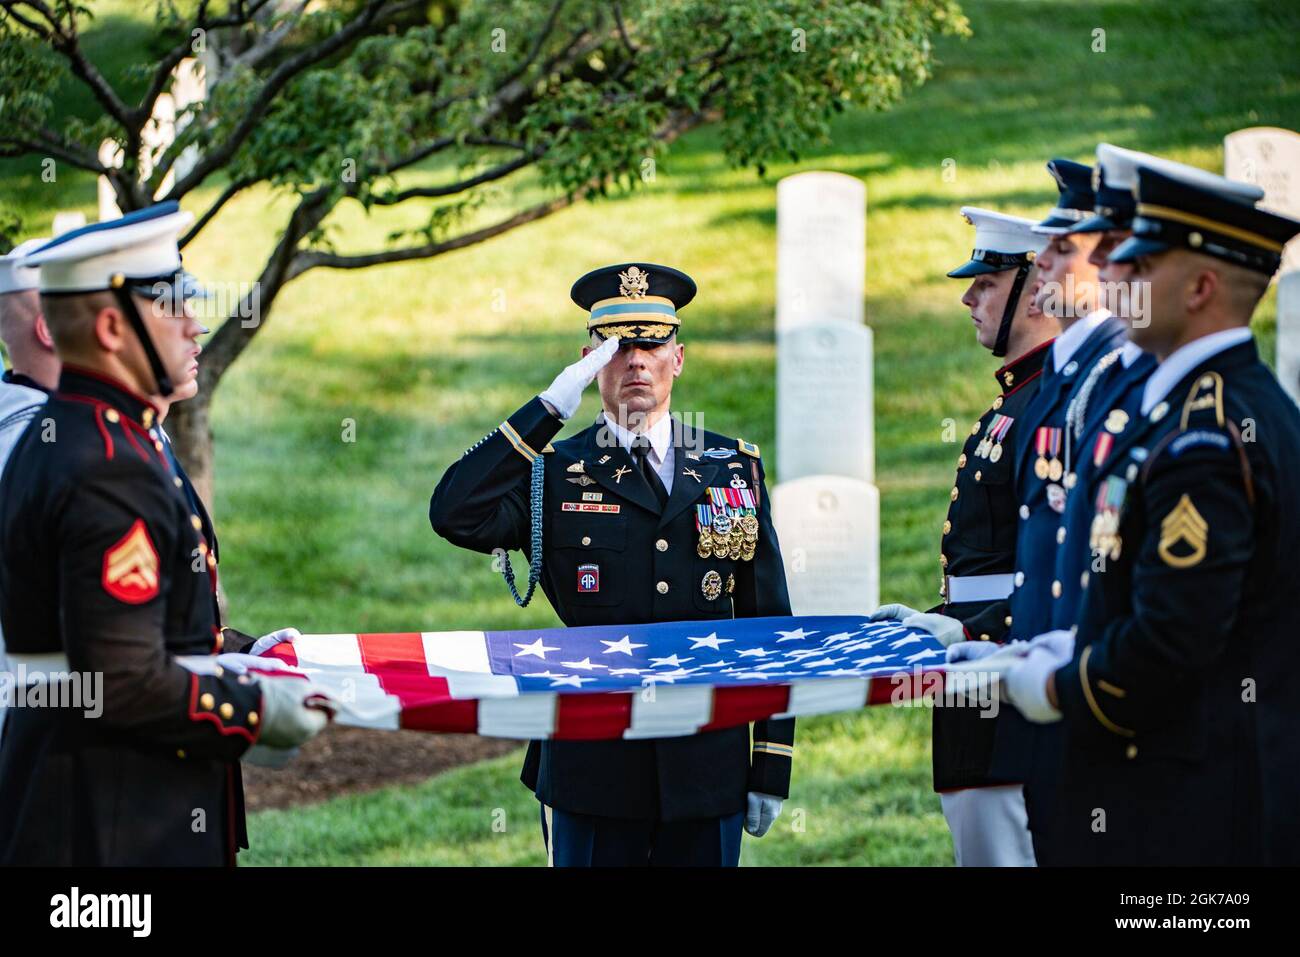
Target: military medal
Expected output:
[1104,538]
[998,432]
[1054,467]
[711,585]
[1101,449]
[1041,468]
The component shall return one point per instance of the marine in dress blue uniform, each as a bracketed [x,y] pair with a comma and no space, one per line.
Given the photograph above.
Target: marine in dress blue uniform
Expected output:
[985,811]
[104,570]
[621,546]
[1174,691]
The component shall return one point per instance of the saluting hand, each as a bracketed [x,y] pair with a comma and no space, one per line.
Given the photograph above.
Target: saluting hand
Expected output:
[564,394]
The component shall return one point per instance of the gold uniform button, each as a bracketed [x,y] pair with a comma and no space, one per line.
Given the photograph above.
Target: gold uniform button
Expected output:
[984,637]
[975,429]
[997,403]
[947,526]
[147,417]
[662,588]
[1056,589]
[212,561]
[1083,580]
[954,493]
[180,753]
[158,446]
[196,522]
[1008,621]
[961,461]
[586,539]
[943,560]
[1060,535]
[662,545]
[206,702]
[112,416]
[978,475]
[253,718]
[227,711]
[1131,752]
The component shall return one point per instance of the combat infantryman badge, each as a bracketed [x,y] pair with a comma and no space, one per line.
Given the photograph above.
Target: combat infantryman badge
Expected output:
[131,567]
[588,578]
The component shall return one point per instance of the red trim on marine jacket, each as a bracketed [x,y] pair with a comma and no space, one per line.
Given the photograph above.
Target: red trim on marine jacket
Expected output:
[98,406]
[109,380]
[1013,366]
[196,715]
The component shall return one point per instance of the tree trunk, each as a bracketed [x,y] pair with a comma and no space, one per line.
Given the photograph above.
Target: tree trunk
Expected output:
[190,428]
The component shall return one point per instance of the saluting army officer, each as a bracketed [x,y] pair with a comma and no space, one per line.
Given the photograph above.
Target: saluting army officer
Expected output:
[986,814]
[632,532]
[104,571]
[1175,691]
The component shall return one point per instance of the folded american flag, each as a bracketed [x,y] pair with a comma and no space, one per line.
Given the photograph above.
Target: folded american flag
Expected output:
[614,681]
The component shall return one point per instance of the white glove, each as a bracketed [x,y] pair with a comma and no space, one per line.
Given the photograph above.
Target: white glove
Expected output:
[1025,684]
[1059,642]
[889,612]
[293,711]
[565,393]
[970,650]
[267,642]
[763,810]
[949,631]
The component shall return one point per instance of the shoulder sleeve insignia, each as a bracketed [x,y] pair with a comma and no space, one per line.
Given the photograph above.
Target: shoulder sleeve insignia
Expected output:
[130,572]
[749,448]
[1183,534]
[1207,393]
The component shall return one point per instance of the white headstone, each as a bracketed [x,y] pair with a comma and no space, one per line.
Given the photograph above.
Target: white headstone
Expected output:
[110,155]
[66,222]
[1269,157]
[825,407]
[821,241]
[1288,333]
[826,508]
[829,529]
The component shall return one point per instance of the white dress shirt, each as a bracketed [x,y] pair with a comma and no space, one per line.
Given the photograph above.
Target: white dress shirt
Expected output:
[662,456]
[1067,343]
[1182,361]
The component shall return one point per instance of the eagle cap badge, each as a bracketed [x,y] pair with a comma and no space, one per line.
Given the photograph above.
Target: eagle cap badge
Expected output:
[634,283]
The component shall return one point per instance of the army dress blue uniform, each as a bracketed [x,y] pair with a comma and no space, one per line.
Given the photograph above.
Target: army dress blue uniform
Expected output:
[614,554]
[1179,713]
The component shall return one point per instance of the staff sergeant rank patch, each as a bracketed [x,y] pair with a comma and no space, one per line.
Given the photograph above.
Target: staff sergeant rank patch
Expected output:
[1183,535]
[130,571]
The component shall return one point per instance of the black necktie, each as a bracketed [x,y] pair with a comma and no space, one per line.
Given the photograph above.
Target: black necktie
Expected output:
[641,452]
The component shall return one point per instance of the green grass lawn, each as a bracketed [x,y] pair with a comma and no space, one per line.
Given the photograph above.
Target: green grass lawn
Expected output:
[333,536]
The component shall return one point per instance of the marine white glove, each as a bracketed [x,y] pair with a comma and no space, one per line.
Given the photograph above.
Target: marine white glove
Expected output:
[1025,683]
[890,612]
[1060,642]
[763,810]
[267,642]
[970,650]
[240,664]
[293,711]
[565,393]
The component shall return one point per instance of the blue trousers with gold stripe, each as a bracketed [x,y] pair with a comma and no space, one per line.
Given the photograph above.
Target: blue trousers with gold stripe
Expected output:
[583,840]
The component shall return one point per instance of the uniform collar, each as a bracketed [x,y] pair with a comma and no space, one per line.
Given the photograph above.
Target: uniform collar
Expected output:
[26,381]
[1183,360]
[78,380]
[1129,354]
[660,435]
[1068,342]
[1015,374]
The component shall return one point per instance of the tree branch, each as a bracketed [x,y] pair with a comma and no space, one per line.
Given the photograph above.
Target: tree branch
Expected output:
[226,195]
[217,157]
[497,172]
